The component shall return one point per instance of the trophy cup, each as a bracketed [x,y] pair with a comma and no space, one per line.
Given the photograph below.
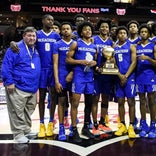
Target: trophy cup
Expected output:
[108,67]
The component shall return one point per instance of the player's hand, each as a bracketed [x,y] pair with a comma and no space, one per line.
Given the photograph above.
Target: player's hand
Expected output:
[14,47]
[58,87]
[10,88]
[73,37]
[143,57]
[69,77]
[84,62]
[123,79]
[92,63]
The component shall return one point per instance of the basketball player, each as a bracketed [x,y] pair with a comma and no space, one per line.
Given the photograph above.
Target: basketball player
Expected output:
[82,55]
[61,70]
[103,83]
[146,80]
[125,57]
[45,39]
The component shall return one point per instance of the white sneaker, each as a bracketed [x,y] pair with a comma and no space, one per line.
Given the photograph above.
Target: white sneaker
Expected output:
[31,135]
[21,139]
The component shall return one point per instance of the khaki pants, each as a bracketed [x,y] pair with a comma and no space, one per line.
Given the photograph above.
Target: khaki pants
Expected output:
[20,106]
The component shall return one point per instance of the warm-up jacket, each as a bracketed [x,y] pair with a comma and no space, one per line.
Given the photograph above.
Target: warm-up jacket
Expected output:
[21,69]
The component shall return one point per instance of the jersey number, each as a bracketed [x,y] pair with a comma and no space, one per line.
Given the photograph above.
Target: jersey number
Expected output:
[47,46]
[120,57]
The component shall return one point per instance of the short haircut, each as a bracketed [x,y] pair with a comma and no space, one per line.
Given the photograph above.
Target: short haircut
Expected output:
[122,28]
[68,23]
[145,26]
[45,16]
[79,15]
[29,29]
[104,20]
[114,25]
[132,21]
[57,23]
[82,25]
[150,22]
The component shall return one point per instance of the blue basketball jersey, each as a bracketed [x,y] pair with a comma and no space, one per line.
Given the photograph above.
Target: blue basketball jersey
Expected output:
[103,83]
[61,48]
[85,51]
[134,41]
[152,39]
[123,61]
[83,80]
[123,58]
[100,43]
[76,35]
[44,45]
[145,72]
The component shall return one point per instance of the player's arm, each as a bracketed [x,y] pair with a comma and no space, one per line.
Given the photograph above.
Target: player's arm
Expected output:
[121,76]
[152,61]
[58,86]
[133,61]
[14,47]
[7,69]
[69,77]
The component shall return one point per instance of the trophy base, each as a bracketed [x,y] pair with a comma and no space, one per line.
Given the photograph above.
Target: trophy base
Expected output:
[110,71]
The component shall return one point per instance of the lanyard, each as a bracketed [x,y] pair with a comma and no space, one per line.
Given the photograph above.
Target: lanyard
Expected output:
[32,64]
[29,52]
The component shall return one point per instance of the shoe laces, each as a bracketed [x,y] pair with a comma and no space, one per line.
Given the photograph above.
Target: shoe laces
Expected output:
[104,124]
[152,128]
[76,134]
[143,125]
[62,129]
[131,128]
[135,121]
[95,125]
[120,125]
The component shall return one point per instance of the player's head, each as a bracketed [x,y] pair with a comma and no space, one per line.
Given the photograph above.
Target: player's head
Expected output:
[47,21]
[66,29]
[104,20]
[132,22]
[122,28]
[83,27]
[56,27]
[146,27]
[79,18]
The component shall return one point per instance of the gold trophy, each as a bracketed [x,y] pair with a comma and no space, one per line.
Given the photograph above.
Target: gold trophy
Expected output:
[108,67]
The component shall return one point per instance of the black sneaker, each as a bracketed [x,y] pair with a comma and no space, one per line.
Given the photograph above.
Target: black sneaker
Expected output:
[76,137]
[86,132]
